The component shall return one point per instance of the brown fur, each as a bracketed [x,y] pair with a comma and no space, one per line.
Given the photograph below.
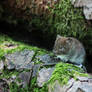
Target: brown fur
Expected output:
[69,49]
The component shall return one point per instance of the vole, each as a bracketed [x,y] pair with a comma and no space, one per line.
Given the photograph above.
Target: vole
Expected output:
[69,49]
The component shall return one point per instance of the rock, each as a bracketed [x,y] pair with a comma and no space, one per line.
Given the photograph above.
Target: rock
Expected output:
[29,65]
[82,85]
[83,79]
[44,75]
[58,88]
[87,7]
[20,60]
[25,77]
[80,3]
[87,10]
[47,59]
[1,65]
[35,70]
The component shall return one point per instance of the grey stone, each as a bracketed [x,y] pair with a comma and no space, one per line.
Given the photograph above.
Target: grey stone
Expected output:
[35,70]
[83,79]
[90,80]
[26,66]
[80,3]
[1,65]
[82,85]
[87,10]
[10,65]
[75,87]
[47,59]
[44,75]
[25,77]
[20,60]
[56,87]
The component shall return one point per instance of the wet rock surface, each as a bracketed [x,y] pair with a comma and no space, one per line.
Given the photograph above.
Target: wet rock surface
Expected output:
[20,60]
[44,75]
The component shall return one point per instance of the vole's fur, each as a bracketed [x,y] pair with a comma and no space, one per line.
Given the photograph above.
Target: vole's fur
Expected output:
[69,49]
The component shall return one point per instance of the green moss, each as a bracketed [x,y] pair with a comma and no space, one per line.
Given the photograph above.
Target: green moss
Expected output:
[19,47]
[7,74]
[63,72]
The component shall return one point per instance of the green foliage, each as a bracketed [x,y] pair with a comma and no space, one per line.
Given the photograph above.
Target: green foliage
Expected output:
[7,74]
[15,88]
[67,20]
[63,72]
[64,19]
[33,88]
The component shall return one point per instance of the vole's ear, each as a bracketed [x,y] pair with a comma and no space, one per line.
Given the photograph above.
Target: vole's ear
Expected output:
[58,36]
[69,39]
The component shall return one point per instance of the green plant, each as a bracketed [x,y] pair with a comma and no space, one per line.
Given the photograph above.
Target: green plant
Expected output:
[64,71]
[67,20]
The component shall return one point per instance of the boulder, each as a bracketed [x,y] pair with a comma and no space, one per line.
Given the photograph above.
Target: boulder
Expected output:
[20,60]
[83,84]
[25,77]
[87,10]
[44,75]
